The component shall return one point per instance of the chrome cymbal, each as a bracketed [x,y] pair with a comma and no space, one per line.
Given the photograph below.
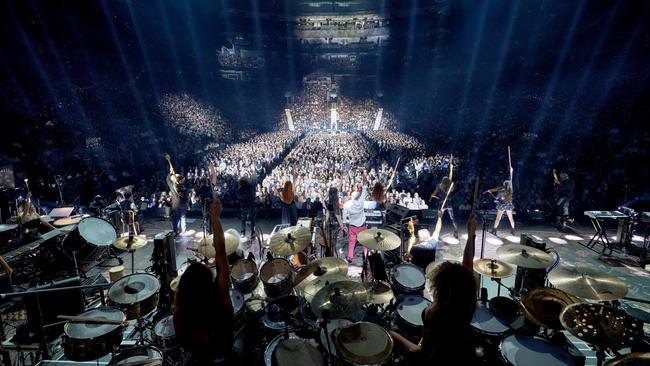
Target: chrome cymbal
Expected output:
[130,242]
[524,256]
[320,267]
[340,298]
[379,239]
[588,283]
[601,325]
[290,241]
[492,268]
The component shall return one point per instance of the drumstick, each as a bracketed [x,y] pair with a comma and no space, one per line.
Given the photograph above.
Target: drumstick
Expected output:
[390,182]
[88,319]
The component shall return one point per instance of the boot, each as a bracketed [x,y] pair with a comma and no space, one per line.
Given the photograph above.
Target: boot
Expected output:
[512,231]
[493,231]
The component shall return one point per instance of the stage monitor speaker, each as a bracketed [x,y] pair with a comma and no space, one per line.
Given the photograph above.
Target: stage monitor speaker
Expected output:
[528,279]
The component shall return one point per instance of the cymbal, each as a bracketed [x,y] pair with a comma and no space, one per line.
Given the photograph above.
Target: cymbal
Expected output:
[311,288]
[492,268]
[588,283]
[543,306]
[379,239]
[341,299]
[524,256]
[320,267]
[379,292]
[206,245]
[364,343]
[290,241]
[130,242]
[630,359]
[601,325]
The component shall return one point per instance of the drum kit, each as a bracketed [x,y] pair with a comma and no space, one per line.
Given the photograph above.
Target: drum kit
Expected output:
[521,330]
[314,315]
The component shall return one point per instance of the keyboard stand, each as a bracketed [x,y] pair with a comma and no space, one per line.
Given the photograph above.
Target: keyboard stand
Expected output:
[600,236]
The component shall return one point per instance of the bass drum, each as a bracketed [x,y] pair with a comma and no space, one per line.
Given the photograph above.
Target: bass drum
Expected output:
[149,356]
[89,341]
[89,239]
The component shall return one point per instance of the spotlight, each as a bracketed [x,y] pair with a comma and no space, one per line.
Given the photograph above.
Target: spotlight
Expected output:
[494,241]
[558,240]
[513,239]
[450,240]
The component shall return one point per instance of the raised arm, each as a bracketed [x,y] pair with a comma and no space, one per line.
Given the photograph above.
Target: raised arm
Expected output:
[451,167]
[171,166]
[223,270]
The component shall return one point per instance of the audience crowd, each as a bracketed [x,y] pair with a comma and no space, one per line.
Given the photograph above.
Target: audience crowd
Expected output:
[194,118]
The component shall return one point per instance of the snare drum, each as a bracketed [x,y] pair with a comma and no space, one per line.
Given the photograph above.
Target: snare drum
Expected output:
[90,341]
[277,277]
[90,235]
[244,275]
[164,335]
[137,294]
[138,355]
[409,314]
[487,323]
[293,351]
[408,279]
[519,350]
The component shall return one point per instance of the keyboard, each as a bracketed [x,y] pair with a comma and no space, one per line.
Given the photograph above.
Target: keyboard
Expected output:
[605,215]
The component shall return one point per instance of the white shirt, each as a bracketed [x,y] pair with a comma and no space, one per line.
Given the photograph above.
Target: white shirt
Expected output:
[353,210]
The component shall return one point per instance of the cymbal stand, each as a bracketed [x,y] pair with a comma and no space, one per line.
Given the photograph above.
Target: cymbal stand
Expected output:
[484,208]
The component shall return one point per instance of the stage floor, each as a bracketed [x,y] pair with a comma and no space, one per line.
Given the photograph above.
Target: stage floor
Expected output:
[567,246]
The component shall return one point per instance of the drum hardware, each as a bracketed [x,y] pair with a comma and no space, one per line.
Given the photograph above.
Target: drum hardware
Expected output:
[290,240]
[587,283]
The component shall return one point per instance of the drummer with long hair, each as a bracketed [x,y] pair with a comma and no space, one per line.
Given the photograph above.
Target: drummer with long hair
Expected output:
[203,312]
[446,322]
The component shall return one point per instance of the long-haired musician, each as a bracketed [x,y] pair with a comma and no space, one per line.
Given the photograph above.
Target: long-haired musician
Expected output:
[446,322]
[203,312]
[505,204]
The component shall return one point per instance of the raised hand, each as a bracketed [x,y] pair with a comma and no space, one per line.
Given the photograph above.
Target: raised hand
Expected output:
[216,208]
